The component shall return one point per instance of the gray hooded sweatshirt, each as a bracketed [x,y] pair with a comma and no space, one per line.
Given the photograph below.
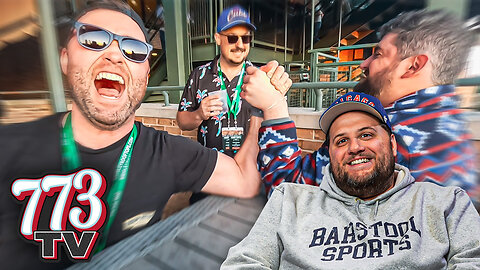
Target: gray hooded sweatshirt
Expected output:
[411,226]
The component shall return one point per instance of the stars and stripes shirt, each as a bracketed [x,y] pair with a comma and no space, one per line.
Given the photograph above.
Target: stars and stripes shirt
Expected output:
[432,137]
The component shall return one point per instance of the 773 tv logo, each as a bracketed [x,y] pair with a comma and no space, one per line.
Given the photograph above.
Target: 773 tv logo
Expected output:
[90,186]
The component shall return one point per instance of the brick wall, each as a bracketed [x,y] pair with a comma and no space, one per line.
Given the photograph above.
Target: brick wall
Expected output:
[18,111]
[309,139]
[165,124]
[163,118]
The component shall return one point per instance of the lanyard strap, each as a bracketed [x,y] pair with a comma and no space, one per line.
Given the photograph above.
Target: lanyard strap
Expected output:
[234,104]
[70,157]
[71,160]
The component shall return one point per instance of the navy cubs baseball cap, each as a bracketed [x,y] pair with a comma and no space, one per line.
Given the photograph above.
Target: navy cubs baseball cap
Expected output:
[233,16]
[354,101]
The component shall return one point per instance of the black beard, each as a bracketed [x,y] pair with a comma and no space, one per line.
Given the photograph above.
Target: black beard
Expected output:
[373,87]
[371,185]
[365,86]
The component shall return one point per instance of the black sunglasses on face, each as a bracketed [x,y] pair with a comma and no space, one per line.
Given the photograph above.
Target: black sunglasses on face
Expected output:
[232,39]
[97,39]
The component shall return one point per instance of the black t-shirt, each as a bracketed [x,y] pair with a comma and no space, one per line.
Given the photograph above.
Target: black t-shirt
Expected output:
[161,165]
[202,81]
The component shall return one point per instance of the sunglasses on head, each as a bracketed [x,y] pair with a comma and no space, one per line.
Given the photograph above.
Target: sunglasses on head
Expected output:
[232,39]
[97,39]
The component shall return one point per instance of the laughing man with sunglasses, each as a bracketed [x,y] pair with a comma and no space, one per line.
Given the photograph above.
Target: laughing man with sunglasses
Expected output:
[106,63]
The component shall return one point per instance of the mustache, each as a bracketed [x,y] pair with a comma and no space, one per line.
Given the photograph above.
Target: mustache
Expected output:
[353,157]
[237,50]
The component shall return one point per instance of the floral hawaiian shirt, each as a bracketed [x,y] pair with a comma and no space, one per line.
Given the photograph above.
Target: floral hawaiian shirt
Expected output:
[203,80]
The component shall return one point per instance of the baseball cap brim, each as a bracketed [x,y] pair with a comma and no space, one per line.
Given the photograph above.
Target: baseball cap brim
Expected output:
[236,23]
[329,116]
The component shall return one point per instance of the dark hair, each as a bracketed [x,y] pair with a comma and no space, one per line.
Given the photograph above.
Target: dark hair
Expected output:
[115,5]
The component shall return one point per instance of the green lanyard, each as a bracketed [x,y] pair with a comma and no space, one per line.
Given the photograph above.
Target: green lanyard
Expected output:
[71,160]
[234,104]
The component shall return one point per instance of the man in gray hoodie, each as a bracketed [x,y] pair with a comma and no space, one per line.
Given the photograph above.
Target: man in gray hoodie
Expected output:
[367,213]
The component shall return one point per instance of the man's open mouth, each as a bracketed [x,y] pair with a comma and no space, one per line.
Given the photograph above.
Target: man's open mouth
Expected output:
[359,161]
[109,85]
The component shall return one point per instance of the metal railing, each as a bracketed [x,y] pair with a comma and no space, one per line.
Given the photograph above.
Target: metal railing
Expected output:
[301,85]
[325,66]
[474,81]
[320,88]
[201,20]
[165,90]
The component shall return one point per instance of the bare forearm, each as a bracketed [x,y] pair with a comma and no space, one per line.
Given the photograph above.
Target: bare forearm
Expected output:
[278,109]
[246,158]
[238,177]
[188,120]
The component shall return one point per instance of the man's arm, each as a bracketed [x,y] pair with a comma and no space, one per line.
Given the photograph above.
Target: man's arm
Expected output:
[280,157]
[258,90]
[238,177]
[195,106]
[463,225]
[262,248]
[190,120]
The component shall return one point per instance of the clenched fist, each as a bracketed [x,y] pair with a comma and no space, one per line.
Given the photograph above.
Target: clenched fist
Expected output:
[258,90]
[278,77]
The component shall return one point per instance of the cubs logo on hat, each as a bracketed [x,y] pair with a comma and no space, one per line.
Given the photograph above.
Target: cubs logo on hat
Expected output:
[233,16]
[353,101]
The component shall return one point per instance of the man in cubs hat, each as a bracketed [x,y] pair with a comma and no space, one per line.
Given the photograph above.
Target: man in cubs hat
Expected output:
[211,103]
[367,213]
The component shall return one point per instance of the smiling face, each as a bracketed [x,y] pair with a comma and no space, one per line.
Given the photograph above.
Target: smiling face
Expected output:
[233,54]
[362,155]
[107,88]
[380,70]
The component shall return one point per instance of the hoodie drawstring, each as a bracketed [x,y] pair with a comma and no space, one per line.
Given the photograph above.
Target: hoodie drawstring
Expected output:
[376,209]
[357,209]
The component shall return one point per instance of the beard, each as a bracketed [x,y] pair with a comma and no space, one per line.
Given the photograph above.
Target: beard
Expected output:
[367,185]
[103,119]
[374,85]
